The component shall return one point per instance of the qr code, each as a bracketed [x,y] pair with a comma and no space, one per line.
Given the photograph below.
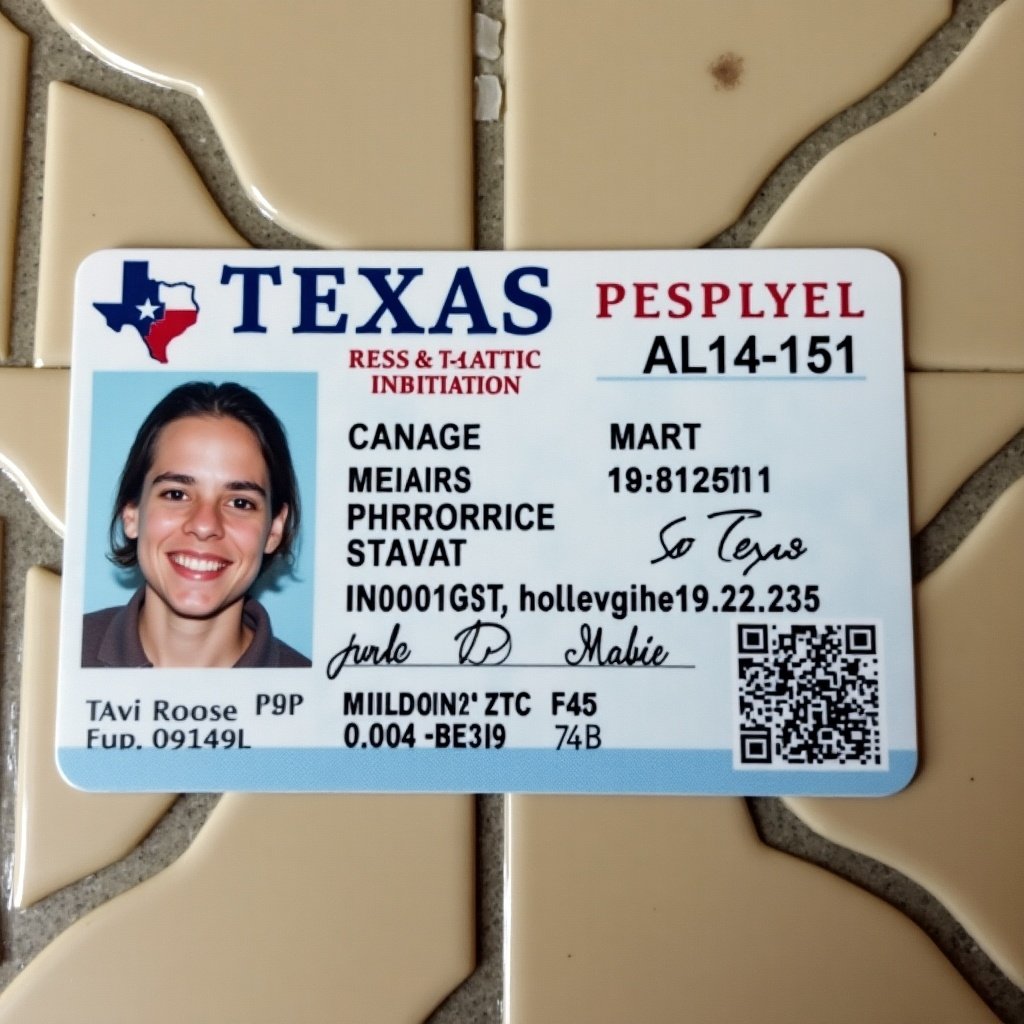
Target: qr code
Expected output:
[808,694]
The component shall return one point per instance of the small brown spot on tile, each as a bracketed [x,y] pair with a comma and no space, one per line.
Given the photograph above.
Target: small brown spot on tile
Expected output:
[727,70]
[683,171]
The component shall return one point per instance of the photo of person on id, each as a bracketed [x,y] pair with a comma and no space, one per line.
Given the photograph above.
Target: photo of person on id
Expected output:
[207,502]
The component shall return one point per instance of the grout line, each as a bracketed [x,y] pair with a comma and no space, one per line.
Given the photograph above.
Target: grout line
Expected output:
[965,509]
[912,78]
[489,147]
[56,57]
[779,828]
[479,997]
[54,914]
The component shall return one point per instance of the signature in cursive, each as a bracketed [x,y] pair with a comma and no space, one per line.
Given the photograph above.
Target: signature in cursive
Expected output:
[394,652]
[733,545]
[593,651]
[484,643]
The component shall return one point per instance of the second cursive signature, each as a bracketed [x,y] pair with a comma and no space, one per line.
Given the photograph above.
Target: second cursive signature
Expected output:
[594,650]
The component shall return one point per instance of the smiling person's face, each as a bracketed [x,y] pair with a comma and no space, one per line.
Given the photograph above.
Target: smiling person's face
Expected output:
[203,522]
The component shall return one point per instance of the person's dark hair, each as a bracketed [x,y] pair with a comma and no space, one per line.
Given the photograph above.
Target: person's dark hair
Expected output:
[203,398]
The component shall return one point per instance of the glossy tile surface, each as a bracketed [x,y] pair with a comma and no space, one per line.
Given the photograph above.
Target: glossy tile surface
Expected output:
[958,830]
[670,909]
[938,186]
[96,197]
[347,123]
[13,82]
[34,436]
[284,908]
[955,421]
[653,127]
[61,834]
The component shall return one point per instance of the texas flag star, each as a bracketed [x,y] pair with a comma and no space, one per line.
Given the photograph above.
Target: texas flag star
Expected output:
[147,311]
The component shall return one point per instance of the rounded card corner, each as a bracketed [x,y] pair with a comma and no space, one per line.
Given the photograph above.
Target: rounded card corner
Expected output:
[903,774]
[96,256]
[66,773]
[885,260]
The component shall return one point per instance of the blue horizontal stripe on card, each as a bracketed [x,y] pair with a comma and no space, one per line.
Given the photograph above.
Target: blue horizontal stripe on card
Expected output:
[718,379]
[707,772]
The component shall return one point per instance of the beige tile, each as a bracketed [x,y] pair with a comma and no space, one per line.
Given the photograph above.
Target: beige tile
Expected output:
[61,834]
[669,909]
[958,829]
[286,906]
[348,123]
[938,186]
[114,177]
[666,910]
[298,909]
[34,436]
[13,83]
[955,422]
[654,125]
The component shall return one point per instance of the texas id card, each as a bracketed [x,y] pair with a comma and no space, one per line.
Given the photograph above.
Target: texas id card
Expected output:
[619,522]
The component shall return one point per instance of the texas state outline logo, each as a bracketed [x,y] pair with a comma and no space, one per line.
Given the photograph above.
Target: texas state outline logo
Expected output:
[159,310]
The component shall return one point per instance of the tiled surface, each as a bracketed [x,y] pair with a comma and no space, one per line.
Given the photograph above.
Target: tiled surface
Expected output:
[654,128]
[946,448]
[62,834]
[273,888]
[666,909]
[971,650]
[672,910]
[301,93]
[34,435]
[938,187]
[96,197]
[283,908]
[620,908]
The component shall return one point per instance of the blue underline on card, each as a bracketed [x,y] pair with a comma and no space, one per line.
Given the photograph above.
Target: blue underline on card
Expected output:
[714,379]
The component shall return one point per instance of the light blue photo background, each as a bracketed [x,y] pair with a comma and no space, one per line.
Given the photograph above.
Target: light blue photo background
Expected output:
[120,402]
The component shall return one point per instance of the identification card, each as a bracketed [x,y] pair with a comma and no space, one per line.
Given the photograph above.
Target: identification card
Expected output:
[619,522]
